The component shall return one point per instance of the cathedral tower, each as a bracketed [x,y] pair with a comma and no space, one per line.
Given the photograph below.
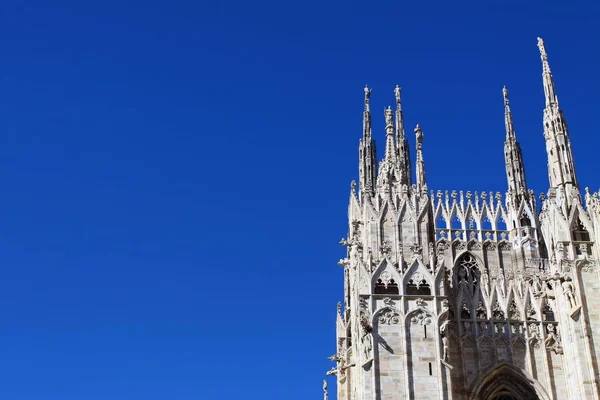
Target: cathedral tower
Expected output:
[460,295]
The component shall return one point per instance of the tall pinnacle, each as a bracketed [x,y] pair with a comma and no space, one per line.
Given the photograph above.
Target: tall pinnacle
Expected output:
[367,114]
[402,149]
[508,119]
[549,89]
[420,167]
[561,166]
[367,151]
[513,157]
[390,148]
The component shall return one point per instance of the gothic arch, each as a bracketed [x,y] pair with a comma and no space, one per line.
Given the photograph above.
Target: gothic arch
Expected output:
[506,381]
[524,211]
[460,259]
[417,275]
[387,314]
[387,276]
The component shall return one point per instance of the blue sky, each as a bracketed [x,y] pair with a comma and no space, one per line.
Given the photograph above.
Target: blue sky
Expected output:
[175,175]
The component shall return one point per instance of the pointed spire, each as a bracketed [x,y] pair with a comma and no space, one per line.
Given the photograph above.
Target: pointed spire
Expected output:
[549,89]
[402,149]
[508,119]
[367,114]
[367,152]
[420,167]
[390,147]
[513,157]
[367,96]
[561,166]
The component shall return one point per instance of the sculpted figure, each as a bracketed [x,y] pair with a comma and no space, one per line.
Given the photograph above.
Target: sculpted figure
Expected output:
[568,291]
[444,332]
[397,92]
[325,394]
[389,115]
[445,348]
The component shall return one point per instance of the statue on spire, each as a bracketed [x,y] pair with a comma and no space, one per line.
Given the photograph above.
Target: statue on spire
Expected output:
[397,92]
[419,135]
[389,115]
[505,93]
[540,43]
[367,92]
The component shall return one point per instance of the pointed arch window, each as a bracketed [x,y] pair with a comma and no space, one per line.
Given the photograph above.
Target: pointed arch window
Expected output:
[390,287]
[580,234]
[467,271]
[418,288]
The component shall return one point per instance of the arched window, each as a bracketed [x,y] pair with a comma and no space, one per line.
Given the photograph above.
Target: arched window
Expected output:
[390,288]
[548,312]
[421,288]
[467,271]
[525,221]
[580,234]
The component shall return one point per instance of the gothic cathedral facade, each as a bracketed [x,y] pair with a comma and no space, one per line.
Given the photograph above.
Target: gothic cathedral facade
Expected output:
[469,295]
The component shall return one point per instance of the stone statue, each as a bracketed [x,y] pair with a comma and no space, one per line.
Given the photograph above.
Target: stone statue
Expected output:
[325,394]
[568,290]
[397,93]
[505,93]
[389,115]
[445,348]
[431,252]
[443,331]
[552,341]
[540,43]
[537,285]
[419,134]
[367,342]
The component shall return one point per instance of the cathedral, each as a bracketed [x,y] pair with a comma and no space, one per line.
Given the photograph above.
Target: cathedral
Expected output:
[469,295]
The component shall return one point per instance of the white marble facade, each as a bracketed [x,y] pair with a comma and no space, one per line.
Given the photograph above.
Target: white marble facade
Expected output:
[460,295]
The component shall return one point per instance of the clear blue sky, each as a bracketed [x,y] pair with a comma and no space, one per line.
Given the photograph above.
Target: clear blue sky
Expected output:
[175,175]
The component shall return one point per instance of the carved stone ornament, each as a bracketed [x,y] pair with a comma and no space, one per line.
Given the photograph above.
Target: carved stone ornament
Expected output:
[497,312]
[385,249]
[534,335]
[417,278]
[442,246]
[490,246]
[588,267]
[389,317]
[421,318]
[421,303]
[445,305]
[505,246]
[481,311]
[475,246]
[552,340]
[385,277]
